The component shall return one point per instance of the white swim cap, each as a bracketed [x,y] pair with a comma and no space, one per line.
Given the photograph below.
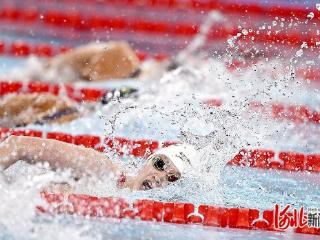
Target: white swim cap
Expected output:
[184,156]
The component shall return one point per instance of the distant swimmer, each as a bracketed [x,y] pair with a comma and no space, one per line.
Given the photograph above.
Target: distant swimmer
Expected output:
[36,108]
[163,167]
[97,61]
[18,110]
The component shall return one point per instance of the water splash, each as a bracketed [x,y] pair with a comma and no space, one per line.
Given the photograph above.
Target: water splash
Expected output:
[213,17]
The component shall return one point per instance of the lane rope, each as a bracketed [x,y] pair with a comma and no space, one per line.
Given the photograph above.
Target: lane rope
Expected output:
[168,212]
[199,6]
[142,148]
[21,48]
[24,49]
[279,111]
[83,23]
[82,94]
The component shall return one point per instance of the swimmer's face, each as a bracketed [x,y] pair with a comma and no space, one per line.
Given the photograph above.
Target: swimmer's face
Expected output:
[159,171]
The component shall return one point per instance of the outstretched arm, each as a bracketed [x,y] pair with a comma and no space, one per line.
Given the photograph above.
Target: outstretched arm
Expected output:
[58,154]
[99,61]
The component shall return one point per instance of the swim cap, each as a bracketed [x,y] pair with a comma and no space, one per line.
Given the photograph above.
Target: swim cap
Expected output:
[184,156]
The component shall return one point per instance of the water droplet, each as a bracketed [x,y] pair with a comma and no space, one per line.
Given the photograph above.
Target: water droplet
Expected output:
[310,62]
[299,53]
[310,15]
[244,31]
[318,6]
[304,45]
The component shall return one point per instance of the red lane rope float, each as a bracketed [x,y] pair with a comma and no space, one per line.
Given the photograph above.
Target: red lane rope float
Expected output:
[76,94]
[256,158]
[198,6]
[86,23]
[279,111]
[309,73]
[169,212]
[25,49]
[306,73]
[295,113]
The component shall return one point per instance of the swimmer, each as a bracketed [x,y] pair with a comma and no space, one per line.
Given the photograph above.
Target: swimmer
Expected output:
[98,61]
[165,166]
[22,109]
[114,60]
[36,108]
[90,62]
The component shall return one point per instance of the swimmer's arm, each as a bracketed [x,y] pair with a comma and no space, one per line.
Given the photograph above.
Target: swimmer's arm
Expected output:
[78,57]
[84,161]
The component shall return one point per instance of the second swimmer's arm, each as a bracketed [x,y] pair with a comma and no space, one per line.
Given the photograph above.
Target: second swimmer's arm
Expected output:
[58,154]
